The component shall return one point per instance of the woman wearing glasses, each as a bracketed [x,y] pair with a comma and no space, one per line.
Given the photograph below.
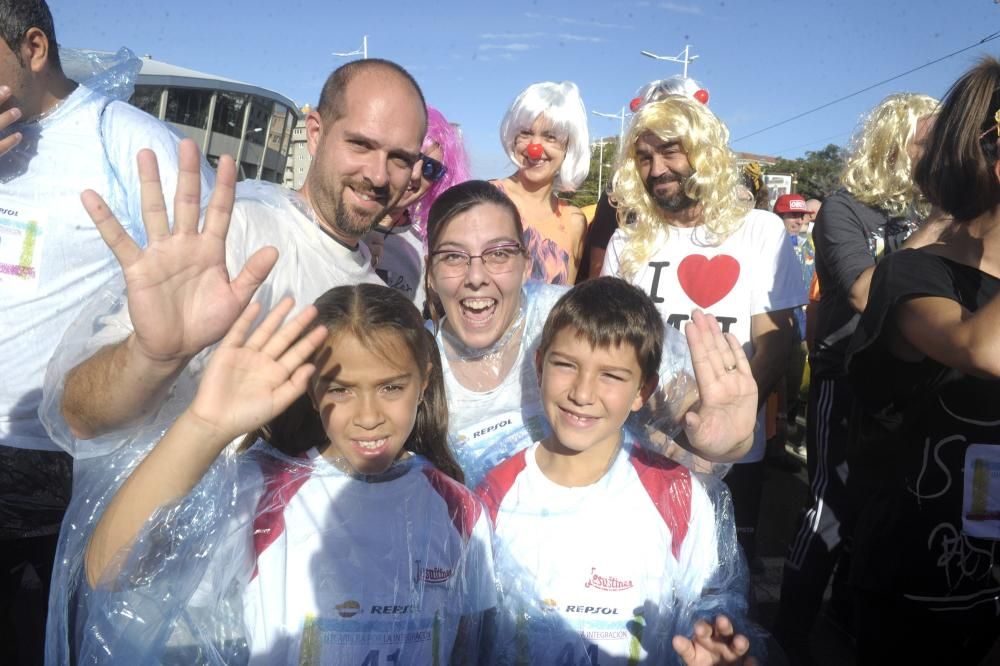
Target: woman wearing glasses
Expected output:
[397,244]
[545,134]
[487,319]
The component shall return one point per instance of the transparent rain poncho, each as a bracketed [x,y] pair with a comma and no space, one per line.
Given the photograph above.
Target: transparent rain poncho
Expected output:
[309,263]
[609,573]
[494,402]
[278,560]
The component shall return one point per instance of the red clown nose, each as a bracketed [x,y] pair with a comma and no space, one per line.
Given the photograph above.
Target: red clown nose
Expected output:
[701,95]
[535,150]
[635,104]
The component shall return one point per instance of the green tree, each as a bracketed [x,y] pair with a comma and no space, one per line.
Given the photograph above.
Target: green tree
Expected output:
[817,174]
[588,192]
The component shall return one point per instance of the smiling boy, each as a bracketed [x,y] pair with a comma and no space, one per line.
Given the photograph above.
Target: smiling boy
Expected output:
[608,550]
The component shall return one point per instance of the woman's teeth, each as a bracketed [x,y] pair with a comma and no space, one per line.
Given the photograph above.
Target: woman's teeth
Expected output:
[477,304]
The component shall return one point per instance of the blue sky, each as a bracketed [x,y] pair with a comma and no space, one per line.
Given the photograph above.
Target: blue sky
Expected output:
[762,60]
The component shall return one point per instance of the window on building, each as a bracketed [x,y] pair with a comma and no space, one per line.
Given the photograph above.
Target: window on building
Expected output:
[188,106]
[147,98]
[228,118]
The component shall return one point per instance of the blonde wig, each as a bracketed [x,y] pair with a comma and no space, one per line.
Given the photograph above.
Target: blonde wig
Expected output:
[878,171]
[714,182]
[562,105]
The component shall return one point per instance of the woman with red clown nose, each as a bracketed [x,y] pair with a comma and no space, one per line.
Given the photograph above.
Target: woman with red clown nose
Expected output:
[545,134]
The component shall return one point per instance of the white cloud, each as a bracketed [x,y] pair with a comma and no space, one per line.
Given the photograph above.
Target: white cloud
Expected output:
[512,35]
[513,46]
[679,9]
[569,20]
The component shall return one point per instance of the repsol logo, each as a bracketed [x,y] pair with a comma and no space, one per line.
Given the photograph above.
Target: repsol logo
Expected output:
[8,211]
[489,429]
[592,610]
[395,610]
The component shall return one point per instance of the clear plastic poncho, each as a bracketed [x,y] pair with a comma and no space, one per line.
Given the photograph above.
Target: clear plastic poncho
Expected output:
[309,263]
[279,560]
[494,402]
[609,573]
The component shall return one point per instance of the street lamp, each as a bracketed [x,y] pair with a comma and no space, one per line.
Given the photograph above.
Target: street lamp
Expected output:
[363,51]
[600,167]
[682,57]
[620,116]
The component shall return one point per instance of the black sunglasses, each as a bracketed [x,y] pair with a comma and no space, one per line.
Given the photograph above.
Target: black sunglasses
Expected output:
[432,170]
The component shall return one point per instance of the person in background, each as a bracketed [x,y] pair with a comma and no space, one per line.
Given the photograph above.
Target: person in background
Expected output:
[924,359]
[59,138]
[696,245]
[544,132]
[878,210]
[398,242]
[605,221]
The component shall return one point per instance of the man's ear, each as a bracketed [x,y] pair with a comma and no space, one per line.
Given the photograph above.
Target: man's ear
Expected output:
[645,391]
[34,50]
[314,131]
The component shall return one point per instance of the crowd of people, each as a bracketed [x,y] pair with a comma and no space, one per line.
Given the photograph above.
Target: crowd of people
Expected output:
[403,416]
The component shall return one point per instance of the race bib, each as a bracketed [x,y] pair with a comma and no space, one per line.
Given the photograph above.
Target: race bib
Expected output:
[21,236]
[981,503]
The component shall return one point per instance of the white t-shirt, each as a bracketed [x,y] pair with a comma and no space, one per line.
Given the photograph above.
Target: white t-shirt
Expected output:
[587,566]
[351,572]
[401,265]
[487,427]
[751,272]
[52,258]
[310,262]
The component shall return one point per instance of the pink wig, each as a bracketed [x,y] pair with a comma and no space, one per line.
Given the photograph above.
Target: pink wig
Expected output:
[453,156]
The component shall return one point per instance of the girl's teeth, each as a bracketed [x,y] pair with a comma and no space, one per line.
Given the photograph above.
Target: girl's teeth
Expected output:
[371,444]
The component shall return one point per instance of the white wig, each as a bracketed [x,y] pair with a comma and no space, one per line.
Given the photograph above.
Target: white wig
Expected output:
[562,105]
[654,91]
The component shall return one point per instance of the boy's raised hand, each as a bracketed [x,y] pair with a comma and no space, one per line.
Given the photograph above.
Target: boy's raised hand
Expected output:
[716,643]
[721,425]
[181,299]
[253,377]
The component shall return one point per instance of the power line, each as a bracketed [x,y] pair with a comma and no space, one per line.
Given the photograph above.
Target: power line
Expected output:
[985,39]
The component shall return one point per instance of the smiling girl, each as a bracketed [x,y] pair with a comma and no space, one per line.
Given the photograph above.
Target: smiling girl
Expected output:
[351,539]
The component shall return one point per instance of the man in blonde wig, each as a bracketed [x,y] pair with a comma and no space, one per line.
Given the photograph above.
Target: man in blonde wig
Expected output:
[695,244]
[877,210]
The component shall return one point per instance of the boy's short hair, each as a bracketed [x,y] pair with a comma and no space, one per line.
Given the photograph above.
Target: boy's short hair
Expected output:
[608,312]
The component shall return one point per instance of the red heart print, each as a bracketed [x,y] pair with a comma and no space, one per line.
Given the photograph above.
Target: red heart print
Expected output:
[707,281]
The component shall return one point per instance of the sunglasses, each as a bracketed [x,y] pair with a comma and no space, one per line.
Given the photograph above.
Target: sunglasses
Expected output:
[432,170]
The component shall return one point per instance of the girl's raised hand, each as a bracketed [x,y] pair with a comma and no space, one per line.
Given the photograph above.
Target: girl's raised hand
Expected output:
[254,376]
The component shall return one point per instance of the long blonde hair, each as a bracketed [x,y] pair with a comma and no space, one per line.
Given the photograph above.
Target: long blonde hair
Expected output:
[878,171]
[713,182]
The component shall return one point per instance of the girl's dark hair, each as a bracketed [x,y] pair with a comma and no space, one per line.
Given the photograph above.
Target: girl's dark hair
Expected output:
[956,171]
[380,318]
[453,202]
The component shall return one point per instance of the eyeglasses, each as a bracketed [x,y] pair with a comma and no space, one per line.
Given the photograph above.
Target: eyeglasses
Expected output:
[432,170]
[497,259]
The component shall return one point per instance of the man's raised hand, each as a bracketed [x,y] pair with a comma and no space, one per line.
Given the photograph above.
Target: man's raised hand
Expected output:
[180,296]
